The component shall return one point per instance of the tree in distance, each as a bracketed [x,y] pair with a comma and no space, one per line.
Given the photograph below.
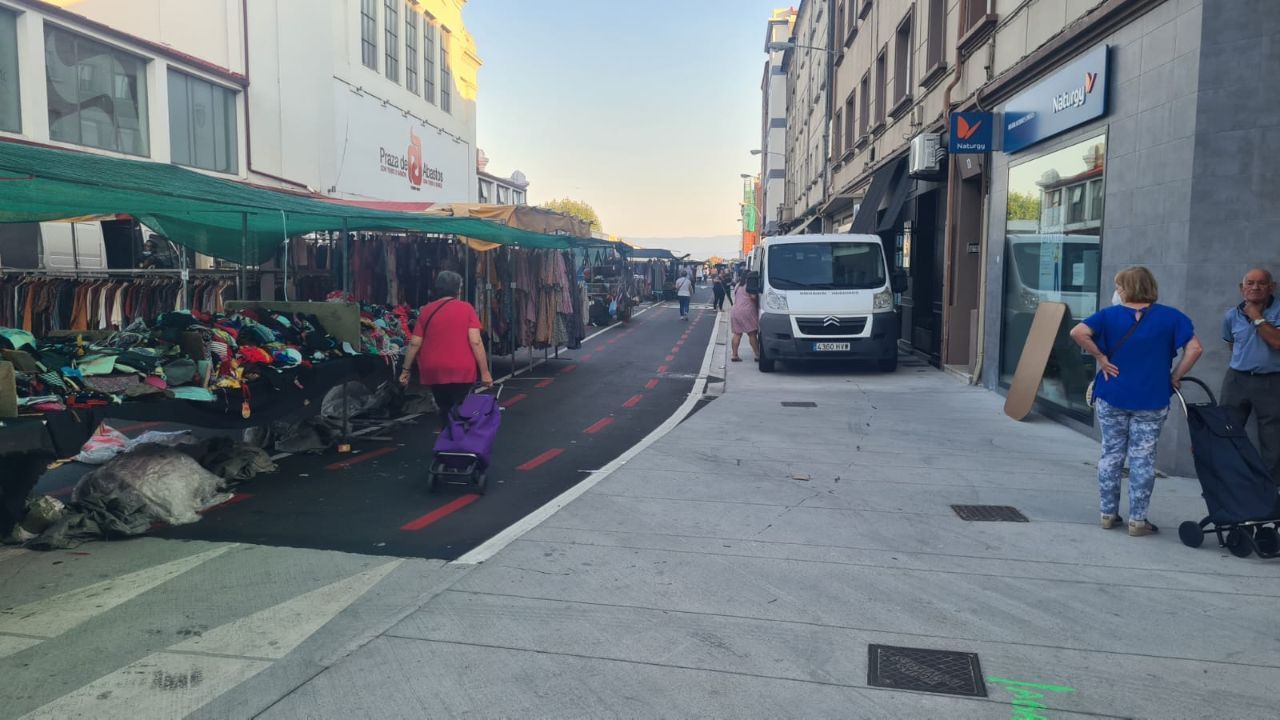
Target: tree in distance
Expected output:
[575,208]
[1023,206]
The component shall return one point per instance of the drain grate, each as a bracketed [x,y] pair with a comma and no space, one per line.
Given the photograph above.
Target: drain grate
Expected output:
[989,513]
[935,671]
[798,403]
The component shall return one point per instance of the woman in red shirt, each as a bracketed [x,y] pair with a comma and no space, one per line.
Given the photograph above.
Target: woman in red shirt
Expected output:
[450,329]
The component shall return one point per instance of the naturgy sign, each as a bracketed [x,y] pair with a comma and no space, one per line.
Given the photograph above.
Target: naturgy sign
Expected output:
[1071,96]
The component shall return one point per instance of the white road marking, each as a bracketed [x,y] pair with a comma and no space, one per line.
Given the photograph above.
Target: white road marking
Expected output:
[496,543]
[160,686]
[182,679]
[10,645]
[54,616]
[276,631]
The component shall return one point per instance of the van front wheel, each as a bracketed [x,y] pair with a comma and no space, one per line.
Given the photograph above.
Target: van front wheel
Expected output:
[764,363]
[889,365]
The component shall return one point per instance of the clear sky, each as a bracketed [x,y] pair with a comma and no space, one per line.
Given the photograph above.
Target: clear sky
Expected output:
[645,110]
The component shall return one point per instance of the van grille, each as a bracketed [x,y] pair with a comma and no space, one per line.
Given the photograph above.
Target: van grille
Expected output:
[832,325]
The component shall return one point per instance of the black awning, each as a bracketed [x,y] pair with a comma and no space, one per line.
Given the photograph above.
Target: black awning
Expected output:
[864,222]
[897,196]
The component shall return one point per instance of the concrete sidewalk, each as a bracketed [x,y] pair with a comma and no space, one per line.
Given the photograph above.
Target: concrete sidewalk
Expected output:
[742,565]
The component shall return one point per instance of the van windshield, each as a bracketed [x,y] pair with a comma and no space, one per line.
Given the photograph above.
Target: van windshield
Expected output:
[826,266]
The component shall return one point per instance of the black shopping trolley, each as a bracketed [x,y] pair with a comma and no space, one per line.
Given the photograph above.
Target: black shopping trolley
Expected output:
[1243,500]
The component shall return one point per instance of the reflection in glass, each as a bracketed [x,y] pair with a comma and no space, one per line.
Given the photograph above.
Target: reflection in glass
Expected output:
[97,95]
[10,114]
[1053,253]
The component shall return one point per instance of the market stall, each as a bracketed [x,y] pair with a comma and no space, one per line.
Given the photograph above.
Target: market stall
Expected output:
[83,347]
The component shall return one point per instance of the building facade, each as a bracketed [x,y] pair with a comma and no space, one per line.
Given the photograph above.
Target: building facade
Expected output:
[1162,160]
[1127,132]
[496,190]
[367,100]
[773,123]
[807,68]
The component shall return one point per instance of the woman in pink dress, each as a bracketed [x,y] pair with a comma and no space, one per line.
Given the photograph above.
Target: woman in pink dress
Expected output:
[744,318]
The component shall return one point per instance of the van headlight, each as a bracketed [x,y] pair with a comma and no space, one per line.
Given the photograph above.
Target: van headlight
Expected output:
[883,300]
[776,301]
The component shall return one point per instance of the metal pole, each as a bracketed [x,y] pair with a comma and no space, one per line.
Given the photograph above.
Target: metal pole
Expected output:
[346,258]
[244,255]
[466,264]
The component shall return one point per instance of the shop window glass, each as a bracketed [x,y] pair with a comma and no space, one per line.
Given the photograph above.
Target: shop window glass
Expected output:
[202,124]
[1049,260]
[10,114]
[97,94]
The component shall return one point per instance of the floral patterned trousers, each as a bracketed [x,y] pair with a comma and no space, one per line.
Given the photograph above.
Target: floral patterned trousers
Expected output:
[1131,433]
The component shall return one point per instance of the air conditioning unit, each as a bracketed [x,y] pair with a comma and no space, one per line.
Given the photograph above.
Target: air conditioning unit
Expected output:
[927,154]
[786,214]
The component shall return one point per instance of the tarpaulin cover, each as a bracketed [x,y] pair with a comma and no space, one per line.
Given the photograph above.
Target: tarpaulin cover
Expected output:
[203,212]
[523,217]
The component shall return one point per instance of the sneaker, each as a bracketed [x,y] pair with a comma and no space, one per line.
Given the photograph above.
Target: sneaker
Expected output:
[1139,528]
[1111,521]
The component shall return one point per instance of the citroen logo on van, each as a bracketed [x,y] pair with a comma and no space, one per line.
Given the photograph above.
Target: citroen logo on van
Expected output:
[830,320]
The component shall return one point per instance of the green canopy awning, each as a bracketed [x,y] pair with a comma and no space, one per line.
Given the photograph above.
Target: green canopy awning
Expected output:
[202,212]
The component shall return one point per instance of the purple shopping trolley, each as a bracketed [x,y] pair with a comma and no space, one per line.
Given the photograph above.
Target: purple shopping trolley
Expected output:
[465,445]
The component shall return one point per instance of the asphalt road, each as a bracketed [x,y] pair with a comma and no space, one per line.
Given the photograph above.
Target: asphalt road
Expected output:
[567,417]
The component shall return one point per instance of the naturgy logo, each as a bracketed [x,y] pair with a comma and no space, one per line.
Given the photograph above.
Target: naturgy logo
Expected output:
[964,129]
[1076,97]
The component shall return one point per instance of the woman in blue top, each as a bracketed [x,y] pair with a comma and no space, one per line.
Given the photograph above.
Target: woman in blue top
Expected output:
[1134,342]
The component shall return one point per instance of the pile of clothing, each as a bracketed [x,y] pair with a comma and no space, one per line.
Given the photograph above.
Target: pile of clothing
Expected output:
[181,355]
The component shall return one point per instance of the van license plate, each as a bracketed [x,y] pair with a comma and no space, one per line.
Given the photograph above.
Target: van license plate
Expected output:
[830,347]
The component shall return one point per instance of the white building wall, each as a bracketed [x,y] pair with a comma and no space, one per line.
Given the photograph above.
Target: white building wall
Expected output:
[313,115]
[773,150]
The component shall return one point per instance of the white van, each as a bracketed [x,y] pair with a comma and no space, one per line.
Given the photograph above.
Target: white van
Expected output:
[825,297]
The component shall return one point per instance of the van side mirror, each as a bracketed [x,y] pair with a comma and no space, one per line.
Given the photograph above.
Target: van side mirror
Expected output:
[898,281]
[753,283]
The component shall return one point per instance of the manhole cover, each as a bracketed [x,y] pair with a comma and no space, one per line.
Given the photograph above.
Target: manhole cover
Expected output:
[797,403]
[989,513]
[935,671]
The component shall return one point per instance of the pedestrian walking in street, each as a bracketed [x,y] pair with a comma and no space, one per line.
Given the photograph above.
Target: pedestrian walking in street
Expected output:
[454,357]
[744,319]
[719,290]
[1134,342]
[684,292]
[1252,383]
